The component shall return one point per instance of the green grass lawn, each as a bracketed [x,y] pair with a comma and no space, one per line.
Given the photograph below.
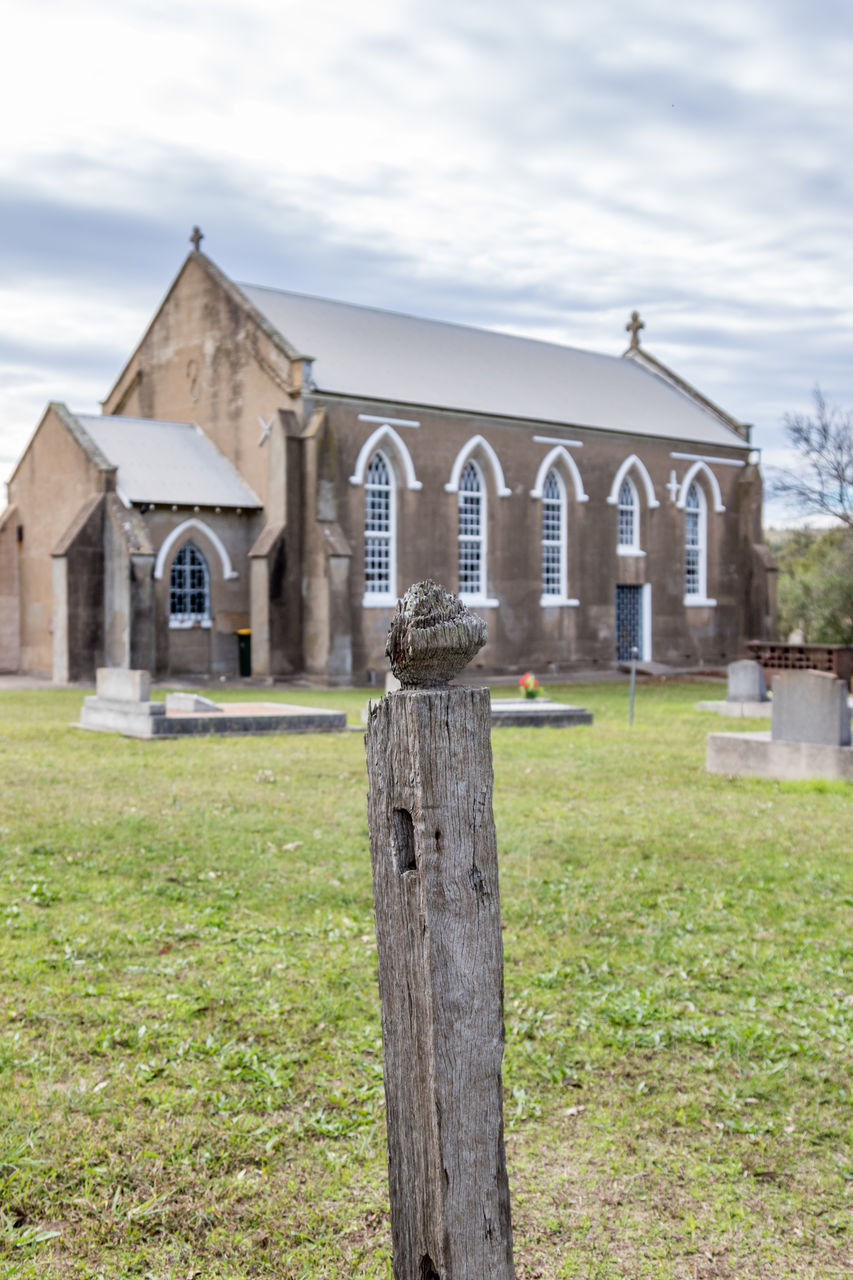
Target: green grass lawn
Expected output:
[190,1056]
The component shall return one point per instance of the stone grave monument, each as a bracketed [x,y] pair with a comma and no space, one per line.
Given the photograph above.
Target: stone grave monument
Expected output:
[122,704]
[809,735]
[747,695]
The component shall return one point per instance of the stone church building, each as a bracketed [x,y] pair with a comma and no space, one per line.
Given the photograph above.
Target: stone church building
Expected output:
[287,465]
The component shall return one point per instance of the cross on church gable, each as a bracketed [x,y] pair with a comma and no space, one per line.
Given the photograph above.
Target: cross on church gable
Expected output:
[196,238]
[634,325]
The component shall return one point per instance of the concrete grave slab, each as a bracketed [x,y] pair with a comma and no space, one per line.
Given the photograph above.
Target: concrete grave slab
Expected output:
[738,710]
[158,720]
[537,713]
[117,715]
[525,713]
[757,755]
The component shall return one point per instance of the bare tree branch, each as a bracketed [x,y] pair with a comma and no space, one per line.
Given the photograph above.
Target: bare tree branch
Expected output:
[823,484]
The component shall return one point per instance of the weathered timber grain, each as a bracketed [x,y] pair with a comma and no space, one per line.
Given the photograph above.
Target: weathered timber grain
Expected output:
[433,636]
[438,930]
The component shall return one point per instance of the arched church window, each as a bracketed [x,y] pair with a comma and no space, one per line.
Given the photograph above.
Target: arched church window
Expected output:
[472,532]
[629,517]
[553,537]
[695,543]
[379,531]
[189,588]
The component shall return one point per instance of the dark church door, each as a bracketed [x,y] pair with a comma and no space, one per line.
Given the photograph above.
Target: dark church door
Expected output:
[629,622]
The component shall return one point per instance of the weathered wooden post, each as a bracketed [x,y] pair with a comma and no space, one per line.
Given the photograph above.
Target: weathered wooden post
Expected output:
[438,933]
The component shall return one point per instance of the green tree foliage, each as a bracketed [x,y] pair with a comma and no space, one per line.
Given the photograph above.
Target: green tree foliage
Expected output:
[816,584]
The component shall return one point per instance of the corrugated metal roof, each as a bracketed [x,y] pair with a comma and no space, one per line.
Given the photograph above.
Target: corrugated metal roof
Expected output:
[379,355]
[167,462]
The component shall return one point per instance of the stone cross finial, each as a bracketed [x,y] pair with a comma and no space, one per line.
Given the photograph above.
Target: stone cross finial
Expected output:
[196,238]
[432,637]
[634,326]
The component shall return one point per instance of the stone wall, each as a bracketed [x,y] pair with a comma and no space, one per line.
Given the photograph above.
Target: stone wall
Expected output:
[52,483]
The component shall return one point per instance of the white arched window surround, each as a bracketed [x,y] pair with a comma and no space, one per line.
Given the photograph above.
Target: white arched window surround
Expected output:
[554,541]
[380,532]
[700,469]
[562,456]
[388,436]
[628,524]
[228,571]
[472,537]
[632,462]
[472,445]
[696,548]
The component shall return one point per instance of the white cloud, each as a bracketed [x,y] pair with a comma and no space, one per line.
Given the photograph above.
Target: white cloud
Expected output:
[543,170]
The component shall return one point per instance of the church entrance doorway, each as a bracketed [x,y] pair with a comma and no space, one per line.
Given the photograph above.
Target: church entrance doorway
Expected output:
[633,622]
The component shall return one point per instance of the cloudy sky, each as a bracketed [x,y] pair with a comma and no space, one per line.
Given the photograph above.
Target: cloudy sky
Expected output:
[542,168]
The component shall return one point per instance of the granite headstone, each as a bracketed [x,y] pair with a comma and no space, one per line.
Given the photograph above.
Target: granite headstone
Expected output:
[810,706]
[746,682]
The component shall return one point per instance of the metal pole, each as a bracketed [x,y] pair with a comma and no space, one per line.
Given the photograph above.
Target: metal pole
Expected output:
[635,653]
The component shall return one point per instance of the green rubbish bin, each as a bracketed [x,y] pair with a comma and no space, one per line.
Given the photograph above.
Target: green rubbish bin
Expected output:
[244,650]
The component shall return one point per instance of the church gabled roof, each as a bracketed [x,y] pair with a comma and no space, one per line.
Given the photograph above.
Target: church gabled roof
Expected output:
[380,355]
[166,463]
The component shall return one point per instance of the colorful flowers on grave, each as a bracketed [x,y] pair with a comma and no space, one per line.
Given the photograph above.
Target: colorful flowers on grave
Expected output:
[529,685]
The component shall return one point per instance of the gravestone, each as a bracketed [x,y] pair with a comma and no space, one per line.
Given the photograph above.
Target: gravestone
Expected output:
[121,684]
[746,681]
[122,703]
[810,707]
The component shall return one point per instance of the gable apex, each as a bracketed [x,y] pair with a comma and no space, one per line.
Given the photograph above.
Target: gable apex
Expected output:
[119,393]
[640,356]
[78,433]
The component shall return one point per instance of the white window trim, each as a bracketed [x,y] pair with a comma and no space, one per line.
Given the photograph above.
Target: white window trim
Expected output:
[372,444]
[699,599]
[632,461]
[631,548]
[700,468]
[379,600]
[464,455]
[388,422]
[549,463]
[556,597]
[704,457]
[385,599]
[480,598]
[646,605]
[228,570]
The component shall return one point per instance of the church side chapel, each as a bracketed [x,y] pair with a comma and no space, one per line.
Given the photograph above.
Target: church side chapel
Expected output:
[283,465]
